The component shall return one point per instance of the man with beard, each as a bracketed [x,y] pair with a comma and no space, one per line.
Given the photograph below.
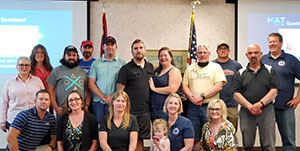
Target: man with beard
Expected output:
[255,87]
[287,69]
[202,82]
[32,125]
[103,77]
[85,63]
[66,78]
[86,49]
[134,80]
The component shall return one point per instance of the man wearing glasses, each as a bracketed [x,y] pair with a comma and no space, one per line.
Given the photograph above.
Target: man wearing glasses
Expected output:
[201,83]
[255,87]
[18,93]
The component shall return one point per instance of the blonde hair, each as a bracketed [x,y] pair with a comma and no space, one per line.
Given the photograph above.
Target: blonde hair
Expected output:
[126,116]
[67,109]
[160,123]
[223,107]
[175,95]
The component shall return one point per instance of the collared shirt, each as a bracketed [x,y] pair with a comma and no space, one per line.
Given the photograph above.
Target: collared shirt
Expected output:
[287,68]
[255,85]
[18,96]
[180,130]
[106,73]
[136,81]
[33,129]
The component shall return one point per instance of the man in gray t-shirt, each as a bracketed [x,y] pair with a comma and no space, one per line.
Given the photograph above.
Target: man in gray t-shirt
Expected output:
[66,78]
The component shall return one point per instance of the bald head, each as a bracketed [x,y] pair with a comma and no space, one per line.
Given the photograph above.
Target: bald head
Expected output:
[254,54]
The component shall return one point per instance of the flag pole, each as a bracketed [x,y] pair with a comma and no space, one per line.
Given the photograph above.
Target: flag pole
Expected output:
[192,48]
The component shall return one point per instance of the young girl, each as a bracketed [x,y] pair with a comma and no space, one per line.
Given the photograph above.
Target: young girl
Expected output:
[160,140]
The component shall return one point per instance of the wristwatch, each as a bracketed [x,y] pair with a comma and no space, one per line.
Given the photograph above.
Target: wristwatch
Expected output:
[202,95]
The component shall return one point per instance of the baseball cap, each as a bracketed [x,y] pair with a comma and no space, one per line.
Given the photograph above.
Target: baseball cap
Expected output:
[86,42]
[70,48]
[110,39]
[223,42]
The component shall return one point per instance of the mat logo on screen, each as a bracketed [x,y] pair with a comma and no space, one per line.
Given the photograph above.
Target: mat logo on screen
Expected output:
[277,21]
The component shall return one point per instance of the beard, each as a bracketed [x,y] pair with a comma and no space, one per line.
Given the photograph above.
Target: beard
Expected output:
[86,54]
[139,57]
[68,64]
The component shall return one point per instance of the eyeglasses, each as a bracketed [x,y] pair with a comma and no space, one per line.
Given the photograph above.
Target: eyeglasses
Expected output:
[24,65]
[215,109]
[74,99]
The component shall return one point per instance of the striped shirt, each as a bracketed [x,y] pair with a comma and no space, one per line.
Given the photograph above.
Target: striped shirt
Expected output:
[33,128]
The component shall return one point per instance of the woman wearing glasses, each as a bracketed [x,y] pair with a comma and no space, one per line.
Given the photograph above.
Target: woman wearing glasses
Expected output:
[217,133]
[76,129]
[18,93]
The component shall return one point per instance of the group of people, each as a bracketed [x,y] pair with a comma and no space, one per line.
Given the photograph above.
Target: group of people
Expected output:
[108,103]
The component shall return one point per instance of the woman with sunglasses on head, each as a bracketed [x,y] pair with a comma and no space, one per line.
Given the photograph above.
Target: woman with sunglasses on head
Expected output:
[77,129]
[218,133]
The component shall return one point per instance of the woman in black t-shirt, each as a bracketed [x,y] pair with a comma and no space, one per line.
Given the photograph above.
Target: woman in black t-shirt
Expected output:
[119,130]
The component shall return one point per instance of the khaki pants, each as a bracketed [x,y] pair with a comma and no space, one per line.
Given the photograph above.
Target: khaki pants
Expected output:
[233,117]
[43,147]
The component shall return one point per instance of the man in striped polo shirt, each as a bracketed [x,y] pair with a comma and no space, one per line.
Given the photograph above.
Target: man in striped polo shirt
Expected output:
[30,126]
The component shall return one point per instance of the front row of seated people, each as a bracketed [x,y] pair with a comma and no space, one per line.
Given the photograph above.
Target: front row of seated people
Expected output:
[78,130]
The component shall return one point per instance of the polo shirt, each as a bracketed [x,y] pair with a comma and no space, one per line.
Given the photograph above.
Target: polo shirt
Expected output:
[287,69]
[106,73]
[136,81]
[33,128]
[254,86]
[179,131]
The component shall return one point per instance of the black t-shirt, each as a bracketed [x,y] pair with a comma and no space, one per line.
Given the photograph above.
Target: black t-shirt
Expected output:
[117,138]
[136,81]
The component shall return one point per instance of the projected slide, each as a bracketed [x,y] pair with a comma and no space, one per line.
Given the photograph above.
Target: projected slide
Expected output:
[21,30]
[288,25]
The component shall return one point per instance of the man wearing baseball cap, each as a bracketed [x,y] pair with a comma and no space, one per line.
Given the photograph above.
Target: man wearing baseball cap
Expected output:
[66,78]
[86,49]
[103,76]
[230,67]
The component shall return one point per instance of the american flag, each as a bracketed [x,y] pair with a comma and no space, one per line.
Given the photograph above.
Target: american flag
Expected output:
[192,51]
[104,33]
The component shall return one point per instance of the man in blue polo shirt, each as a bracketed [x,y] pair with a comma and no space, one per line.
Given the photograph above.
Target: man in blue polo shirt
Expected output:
[287,69]
[30,126]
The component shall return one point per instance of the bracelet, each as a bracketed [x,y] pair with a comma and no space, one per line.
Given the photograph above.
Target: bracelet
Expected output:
[51,147]
[262,103]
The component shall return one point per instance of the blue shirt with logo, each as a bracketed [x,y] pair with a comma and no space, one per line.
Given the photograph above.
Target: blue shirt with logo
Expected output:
[287,68]
[86,65]
[179,131]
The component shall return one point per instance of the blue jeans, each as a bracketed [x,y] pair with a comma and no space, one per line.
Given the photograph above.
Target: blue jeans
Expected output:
[197,115]
[286,125]
[100,110]
[158,114]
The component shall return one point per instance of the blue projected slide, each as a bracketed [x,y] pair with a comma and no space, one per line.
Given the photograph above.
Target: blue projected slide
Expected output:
[21,30]
[288,25]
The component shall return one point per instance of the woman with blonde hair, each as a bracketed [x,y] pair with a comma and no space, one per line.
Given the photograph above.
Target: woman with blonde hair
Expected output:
[217,133]
[181,129]
[119,130]
[77,129]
